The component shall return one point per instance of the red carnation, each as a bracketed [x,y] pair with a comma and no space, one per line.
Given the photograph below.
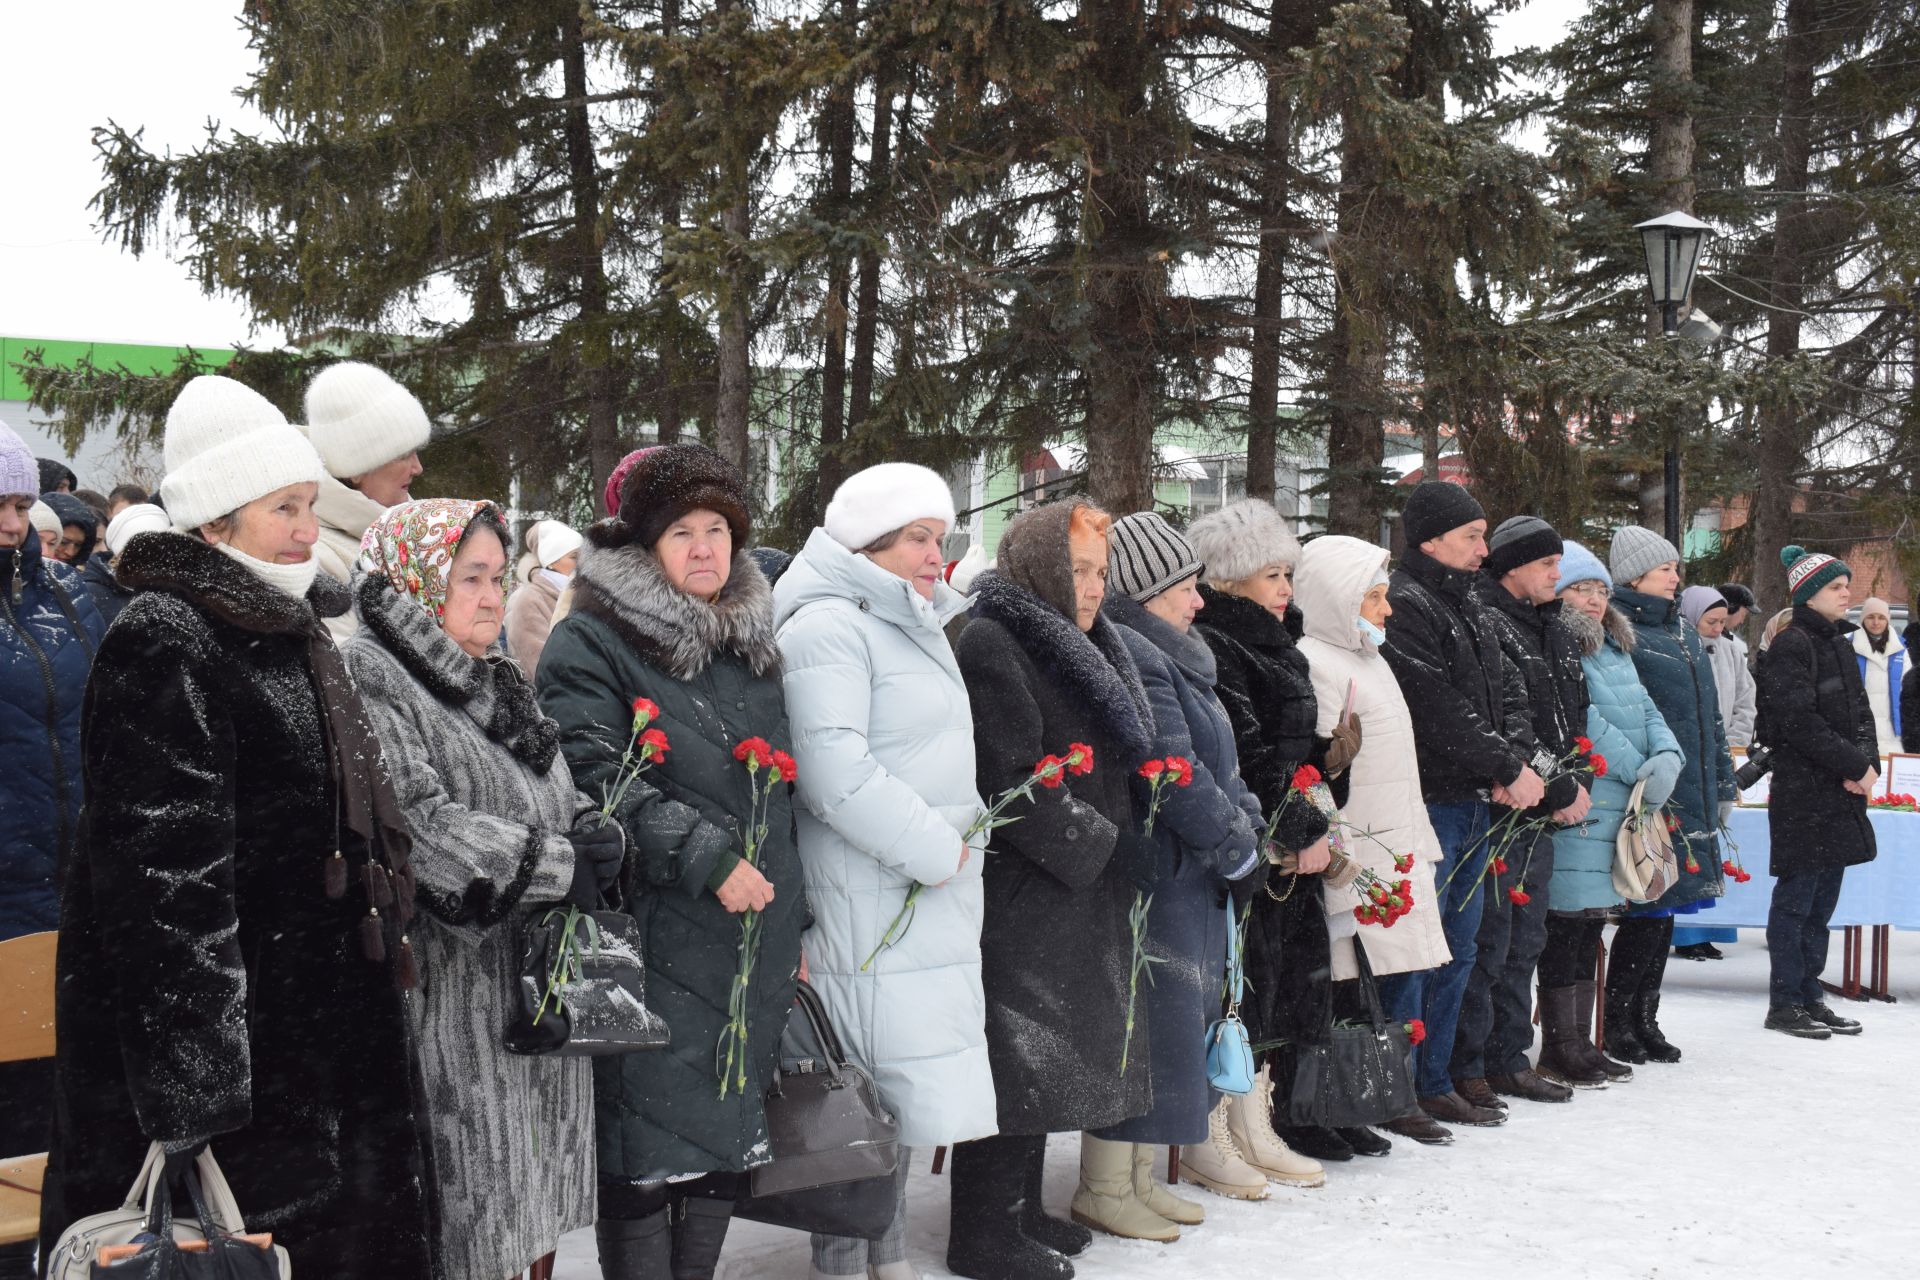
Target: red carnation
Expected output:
[1182,770]
[1416,1031]
[1079,759]
[1051,770]
[1584,745]
[753,752]
[1599,765]
[1519,896]
[1403,862]
[645,709]
[1153,769]
[784,763]
[1499,866]
[653,744]
[1305,778]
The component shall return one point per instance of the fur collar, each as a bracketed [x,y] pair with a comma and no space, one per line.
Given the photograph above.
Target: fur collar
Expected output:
[184,565]
[625,587]
[492,691]
[1591,633]
[1095,664]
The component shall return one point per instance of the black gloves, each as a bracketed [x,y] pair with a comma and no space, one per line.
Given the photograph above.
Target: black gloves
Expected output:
[598,851]
[1138,858]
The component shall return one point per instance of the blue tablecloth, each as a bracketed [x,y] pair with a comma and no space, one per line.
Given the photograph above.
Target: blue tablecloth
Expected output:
[1884,891]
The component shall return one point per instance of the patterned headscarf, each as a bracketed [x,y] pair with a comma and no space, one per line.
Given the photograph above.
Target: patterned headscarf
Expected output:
[414,543]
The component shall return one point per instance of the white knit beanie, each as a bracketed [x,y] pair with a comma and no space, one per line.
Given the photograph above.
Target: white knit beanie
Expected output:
[225,446]
[141,517]
[884,498]
[44,518]
[360,419]
[550,541]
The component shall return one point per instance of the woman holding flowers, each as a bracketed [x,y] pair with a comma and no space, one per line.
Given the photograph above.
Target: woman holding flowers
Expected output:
[498,831]
[1674,668]
[1045,670]
[1627,730]
[883,737]
[1206,831]
[669,607]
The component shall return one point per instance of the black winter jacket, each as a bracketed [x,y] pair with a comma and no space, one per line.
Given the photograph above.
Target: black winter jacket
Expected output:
[1468,702]
[1547,658]
[1820,727]
[207,983]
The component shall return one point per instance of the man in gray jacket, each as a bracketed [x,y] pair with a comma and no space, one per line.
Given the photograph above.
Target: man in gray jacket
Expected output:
[1732,675]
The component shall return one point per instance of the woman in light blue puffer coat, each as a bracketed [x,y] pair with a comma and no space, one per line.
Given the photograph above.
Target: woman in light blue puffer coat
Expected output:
[883,736]
[1628,731]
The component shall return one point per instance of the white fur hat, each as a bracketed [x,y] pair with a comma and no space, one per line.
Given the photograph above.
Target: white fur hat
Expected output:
[360,419]
[141,517]
[44,518]
[550,541]
[884,498]
[225,446]
[1241,539]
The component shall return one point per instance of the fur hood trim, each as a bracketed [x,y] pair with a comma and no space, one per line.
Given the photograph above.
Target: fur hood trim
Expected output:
[1094,664]
[625,587]
[184,565]
[1591,634]
[492,690]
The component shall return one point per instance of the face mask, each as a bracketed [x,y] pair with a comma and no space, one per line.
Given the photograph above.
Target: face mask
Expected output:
[557,580]
[1370,632]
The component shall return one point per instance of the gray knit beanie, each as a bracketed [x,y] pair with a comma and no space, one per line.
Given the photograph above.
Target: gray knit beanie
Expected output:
[1636,550]
[1146,555]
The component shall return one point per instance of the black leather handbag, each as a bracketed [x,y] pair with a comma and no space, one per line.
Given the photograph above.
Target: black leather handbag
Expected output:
[1362,1075]
[835,1147]
[585,999]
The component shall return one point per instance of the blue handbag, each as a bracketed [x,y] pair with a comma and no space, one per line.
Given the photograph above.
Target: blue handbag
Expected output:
[1229,1050]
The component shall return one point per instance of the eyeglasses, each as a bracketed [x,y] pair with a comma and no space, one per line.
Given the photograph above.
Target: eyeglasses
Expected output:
[1592,589]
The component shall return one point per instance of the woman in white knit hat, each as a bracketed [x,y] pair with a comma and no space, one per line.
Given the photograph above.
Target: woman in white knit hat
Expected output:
[233,959]
[368,430]
[46,527]
[883,733]
[545,570]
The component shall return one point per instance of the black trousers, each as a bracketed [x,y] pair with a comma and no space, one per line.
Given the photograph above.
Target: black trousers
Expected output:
[632,1201]
[1572,945]
[1797,923]
[1496,1017]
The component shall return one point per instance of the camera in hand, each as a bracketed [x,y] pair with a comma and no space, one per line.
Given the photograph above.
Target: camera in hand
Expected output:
[1759,764]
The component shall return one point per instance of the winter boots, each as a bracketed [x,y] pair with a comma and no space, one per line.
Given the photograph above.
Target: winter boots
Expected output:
[1531,1085]
[1217,1165]
[1106,1200]
[1832,1021]
[1365,1142]
[988,1241]
[1249,1121]
[698,1237]
[635,1248]
[1068,1239]
[1794,1020]
[1157,1197]
[1623,1027]
[1567,1054]
[1646,1008]
[1480,1093]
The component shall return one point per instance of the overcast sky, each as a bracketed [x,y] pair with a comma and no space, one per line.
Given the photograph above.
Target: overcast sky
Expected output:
[167,68]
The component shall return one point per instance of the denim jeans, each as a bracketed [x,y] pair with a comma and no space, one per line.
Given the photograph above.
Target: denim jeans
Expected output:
[1496,1014]
[1803,903]
[1433,995]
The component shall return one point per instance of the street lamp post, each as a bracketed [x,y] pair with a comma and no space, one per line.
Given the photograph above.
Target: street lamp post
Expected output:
[1672,242]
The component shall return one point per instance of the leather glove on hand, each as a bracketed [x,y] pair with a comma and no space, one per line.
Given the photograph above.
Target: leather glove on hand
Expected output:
[598,852]
[1345,745]
[1138,858]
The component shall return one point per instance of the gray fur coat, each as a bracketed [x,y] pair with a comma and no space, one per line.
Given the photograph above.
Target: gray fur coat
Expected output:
[489,799]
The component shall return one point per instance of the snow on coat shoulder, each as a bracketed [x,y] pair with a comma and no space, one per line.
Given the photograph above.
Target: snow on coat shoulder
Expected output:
[1383,795]
[883,735]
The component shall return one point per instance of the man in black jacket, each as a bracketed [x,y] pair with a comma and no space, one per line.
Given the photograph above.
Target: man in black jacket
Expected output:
[1462,694]
[1517,586]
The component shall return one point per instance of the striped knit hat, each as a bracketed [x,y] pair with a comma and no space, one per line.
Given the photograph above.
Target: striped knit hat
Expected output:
[1146,555]
[1808,571]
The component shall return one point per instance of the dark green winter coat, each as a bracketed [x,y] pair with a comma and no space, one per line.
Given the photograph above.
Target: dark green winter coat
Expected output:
[714,671]
[1679,678]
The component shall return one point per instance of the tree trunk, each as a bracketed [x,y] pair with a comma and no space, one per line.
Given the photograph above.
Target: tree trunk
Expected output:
[1269,286]
[596,349]
[837,132]
[1357,347]
[1780,444]
[1670,166]
[671,415]
[866,320]
[734,388]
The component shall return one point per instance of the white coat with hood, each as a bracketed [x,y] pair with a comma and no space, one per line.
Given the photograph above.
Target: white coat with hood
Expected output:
[1383,798]
[344,514]
[883,737]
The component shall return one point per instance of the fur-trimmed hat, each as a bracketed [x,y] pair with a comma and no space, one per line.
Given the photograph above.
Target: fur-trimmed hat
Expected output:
[1241,539]
[666,483]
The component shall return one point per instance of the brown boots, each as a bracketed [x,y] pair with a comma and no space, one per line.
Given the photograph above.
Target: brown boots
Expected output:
[1567,1054]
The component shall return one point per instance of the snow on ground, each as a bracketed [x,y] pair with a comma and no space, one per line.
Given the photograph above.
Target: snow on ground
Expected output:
[1758,1155]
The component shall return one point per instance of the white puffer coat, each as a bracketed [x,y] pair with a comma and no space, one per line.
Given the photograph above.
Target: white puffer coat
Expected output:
[883,735]
[1384,784]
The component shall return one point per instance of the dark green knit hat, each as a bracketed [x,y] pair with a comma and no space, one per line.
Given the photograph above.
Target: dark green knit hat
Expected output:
[1808,571]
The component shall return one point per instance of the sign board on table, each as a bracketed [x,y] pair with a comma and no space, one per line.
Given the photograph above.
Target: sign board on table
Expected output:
[1901,775]
[1755,796]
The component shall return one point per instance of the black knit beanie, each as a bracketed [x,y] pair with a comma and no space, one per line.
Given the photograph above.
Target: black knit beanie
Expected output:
[1437,508]
[1520,540]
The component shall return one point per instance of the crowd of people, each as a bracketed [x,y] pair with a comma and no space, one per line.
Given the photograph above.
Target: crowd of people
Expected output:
[295,760]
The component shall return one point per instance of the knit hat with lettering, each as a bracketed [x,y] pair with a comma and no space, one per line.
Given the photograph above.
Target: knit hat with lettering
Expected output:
[1808,571]
[360,419]
[225,446]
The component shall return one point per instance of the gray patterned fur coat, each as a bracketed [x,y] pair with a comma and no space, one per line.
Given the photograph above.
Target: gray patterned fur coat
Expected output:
[489,799]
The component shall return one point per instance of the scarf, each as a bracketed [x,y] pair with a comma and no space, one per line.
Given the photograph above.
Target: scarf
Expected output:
[288,579]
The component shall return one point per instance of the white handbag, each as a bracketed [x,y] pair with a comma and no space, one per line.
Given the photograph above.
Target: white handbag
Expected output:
[80,1244]
[1644,863]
